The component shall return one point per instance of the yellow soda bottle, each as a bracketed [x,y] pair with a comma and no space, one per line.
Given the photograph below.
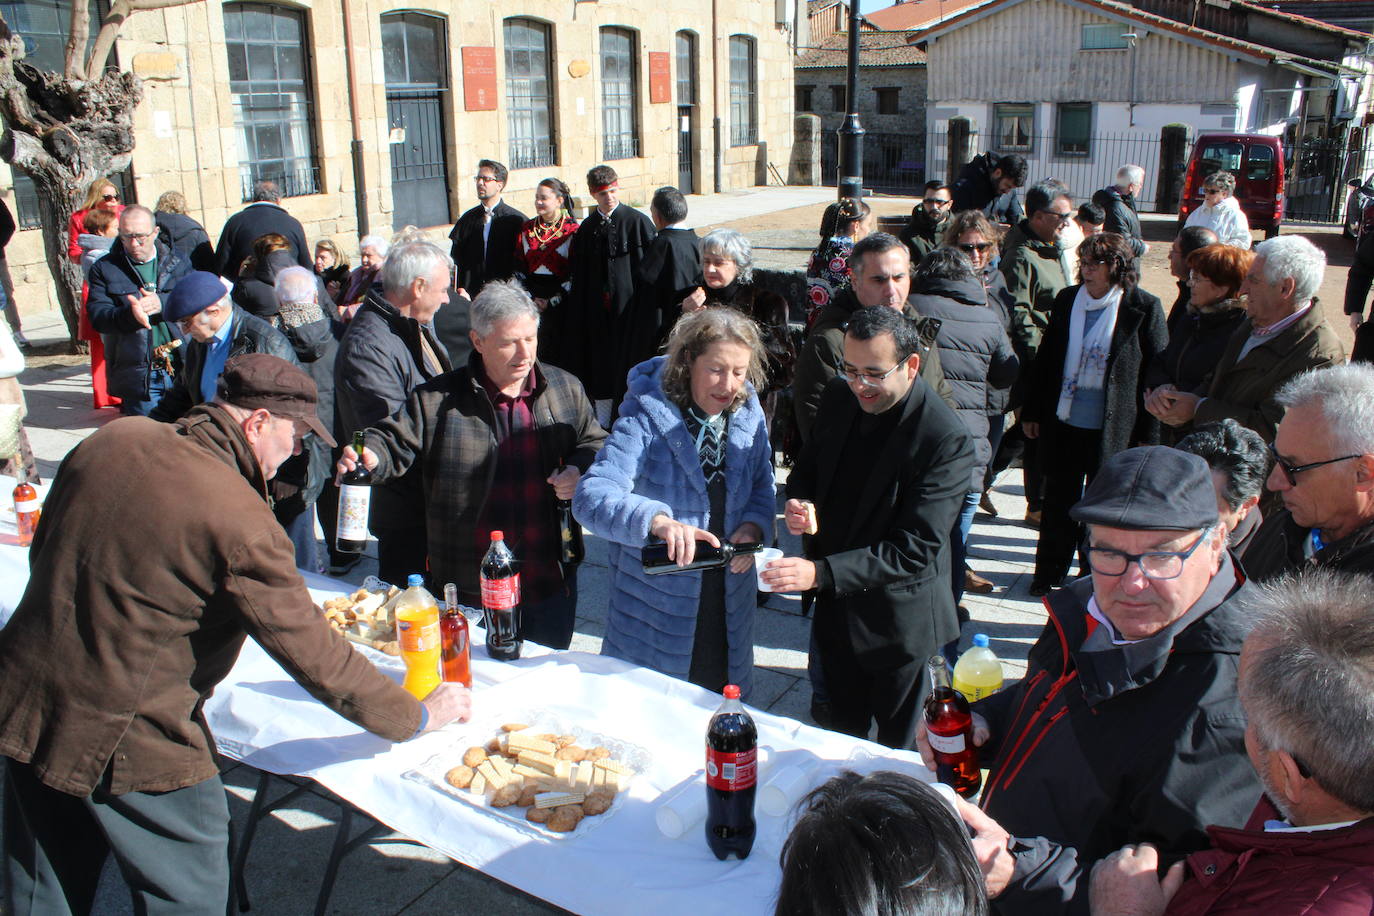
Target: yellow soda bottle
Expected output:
[978,672]
[418,637]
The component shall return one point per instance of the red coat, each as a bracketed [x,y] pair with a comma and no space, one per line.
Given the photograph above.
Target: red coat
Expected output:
[1326,873]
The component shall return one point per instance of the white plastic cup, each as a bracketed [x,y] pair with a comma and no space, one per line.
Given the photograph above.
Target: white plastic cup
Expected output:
[762,559]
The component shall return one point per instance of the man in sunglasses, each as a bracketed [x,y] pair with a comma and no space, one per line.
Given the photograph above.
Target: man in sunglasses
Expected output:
[928,222]
[1127,727]
[1323,471]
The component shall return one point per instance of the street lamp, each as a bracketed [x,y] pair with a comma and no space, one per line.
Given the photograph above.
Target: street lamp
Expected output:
[851,157]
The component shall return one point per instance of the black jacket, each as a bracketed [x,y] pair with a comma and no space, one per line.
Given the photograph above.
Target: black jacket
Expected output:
[670,270]
[128,346]
[7,227]
[248,334]
[1279,547]
[975,354]
[476,267]
[316,347]
[1139,337]
[892,581]
[187,237]
[247,226]
[1121,216]
[1128,744]
[1196,342]
[975,190]
[379,364]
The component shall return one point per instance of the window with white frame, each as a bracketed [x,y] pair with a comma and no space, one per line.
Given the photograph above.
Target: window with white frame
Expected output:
[529,94]
[1014,126]
[744,91]
[619,94]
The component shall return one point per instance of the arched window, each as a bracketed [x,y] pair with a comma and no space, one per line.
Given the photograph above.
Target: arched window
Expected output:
[274,107]
[744,108]
[619,94]
[529,93]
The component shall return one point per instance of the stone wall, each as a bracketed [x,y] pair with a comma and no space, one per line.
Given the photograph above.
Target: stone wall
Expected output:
[187,139]
[908,79]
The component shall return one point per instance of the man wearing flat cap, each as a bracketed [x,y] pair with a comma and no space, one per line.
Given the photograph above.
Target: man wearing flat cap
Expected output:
[1127,727]
[217,330]
[129,621]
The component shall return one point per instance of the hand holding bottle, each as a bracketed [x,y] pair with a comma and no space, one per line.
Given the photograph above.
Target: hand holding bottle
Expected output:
[348,460]
[680,538]
[564,482]
[981,733]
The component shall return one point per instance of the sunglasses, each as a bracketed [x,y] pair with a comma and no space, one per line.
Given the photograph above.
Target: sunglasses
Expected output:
[1291,471]
[935,201]
[109,197]
[976,246]
[1062,217]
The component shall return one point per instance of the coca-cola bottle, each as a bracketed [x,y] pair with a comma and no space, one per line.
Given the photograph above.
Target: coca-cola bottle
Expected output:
[26,508]
[453,630]
[355,501]
[731,778]
[501,600]
[949,728]
[654,557]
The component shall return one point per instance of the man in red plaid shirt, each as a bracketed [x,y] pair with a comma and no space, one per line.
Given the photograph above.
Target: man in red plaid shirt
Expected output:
[489,438]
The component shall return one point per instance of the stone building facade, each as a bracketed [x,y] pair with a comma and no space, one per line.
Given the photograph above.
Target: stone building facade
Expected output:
[373,113]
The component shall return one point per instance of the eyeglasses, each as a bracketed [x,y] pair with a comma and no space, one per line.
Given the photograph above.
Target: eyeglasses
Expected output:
[1211,191]
[869,379]
[136,236]
[1062,217]
[1291,471]
[485,179]
[976,246]
[935,201]
[109,197]
[1156,564]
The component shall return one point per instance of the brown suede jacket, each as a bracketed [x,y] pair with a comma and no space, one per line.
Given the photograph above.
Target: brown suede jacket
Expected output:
[157,554]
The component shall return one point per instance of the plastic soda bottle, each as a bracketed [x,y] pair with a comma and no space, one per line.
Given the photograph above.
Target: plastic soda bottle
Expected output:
[500,581]
[978,672]
[732,774]
[418,637]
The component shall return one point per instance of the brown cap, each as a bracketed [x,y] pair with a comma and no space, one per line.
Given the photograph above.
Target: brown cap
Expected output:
[256,380]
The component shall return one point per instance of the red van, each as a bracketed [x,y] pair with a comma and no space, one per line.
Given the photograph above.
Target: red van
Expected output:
[1257,163]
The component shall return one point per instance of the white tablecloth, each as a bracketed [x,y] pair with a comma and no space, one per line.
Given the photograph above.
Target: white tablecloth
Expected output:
[622,865]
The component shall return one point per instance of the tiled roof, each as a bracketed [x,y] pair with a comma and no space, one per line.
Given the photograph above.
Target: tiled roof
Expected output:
[913,13]
[1308,21]
[876,49]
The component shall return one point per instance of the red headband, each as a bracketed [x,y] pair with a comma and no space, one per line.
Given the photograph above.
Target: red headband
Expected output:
[609,186]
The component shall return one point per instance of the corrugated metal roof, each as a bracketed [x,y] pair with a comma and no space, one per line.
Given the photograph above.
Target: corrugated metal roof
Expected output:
[876,49]
[1353,34]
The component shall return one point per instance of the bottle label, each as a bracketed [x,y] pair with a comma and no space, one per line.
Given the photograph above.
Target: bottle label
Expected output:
[946,744]
[413,636]
[501,594]
[25,505]
[353,508]
[731,772]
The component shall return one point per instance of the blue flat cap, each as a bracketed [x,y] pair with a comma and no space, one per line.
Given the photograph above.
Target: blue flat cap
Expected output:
[195,292]
[1150,488]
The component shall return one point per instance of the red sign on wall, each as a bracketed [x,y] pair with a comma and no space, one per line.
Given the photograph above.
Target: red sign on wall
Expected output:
[479,79]
[660,78]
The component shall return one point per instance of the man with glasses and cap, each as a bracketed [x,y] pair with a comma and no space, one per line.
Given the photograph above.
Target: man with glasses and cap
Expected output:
[1324,472]
[1127,727]
[157,555]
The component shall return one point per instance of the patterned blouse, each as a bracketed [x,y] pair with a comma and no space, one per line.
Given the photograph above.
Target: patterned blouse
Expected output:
[828,272]
[541,256]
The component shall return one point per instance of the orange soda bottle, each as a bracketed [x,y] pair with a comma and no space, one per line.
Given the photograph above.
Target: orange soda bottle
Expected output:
[418,637]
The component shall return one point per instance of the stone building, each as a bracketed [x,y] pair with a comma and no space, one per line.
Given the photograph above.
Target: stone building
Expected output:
[372,114]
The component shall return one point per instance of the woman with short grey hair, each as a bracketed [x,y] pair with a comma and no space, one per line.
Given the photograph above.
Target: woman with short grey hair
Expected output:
[373,250]
[1221,212]
[727,267]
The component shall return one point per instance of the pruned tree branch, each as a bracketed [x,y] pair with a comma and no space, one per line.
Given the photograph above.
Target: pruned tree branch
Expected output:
[73,62]
[120,10]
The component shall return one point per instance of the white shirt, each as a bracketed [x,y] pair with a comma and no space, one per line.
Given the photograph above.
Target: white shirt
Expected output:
[1226,219]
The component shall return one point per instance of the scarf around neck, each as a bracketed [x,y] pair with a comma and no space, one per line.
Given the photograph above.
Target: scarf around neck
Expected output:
[1085,361]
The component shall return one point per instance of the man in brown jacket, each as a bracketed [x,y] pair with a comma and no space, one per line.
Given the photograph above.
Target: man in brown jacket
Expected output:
[157,554]
[1284,335]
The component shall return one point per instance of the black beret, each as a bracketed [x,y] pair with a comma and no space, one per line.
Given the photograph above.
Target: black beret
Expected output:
[1151,488]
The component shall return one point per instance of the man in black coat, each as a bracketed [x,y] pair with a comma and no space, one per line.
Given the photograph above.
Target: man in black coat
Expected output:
[606,254]
[670,271]
[886,470]
[484,237]
[181,233]
[989,184]
[1127,727]
[1118,205]
[128,289]
[264,215]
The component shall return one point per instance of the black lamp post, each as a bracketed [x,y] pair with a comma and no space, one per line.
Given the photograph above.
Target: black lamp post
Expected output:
[851,158]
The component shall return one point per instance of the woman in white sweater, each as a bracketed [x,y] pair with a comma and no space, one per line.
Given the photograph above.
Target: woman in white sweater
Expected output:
[1221,212]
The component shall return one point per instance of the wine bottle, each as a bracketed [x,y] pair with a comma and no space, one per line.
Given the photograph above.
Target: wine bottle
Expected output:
[355,501]
[26,508]
[654,557]
[949,728]
[572,551]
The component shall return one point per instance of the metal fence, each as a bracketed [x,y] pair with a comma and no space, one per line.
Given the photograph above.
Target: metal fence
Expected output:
[1316,174]
[903,163]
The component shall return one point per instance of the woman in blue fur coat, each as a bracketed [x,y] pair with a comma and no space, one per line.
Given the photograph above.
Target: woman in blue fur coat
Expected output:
[688,460]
